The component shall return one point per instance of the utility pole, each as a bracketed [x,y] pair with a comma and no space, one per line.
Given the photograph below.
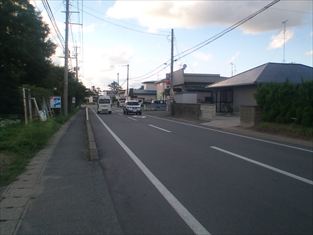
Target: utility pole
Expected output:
[284,23]
[127,79]
[65,92]
[118,84]
[76,68]
[172,65]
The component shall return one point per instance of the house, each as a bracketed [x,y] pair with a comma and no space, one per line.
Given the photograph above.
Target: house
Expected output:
[147,92]
[192,87]
[149,85]
[162,88]
[240,89]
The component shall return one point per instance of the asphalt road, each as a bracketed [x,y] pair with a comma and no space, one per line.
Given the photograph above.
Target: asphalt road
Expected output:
[168,177]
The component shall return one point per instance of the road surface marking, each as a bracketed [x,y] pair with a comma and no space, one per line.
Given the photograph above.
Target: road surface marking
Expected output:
[265,166]
[159,128]
[234,134]
[189,219]
[132,118]
[139,116]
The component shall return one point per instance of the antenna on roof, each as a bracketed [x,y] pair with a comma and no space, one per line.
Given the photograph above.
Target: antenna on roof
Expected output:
[284,23]
[233,68]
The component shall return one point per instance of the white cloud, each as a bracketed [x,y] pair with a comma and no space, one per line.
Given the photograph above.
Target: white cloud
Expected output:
[89,28]
[279,39]
[190,14]
[102,64]
[57,57]
[202,56]
[309,53]
[233,58]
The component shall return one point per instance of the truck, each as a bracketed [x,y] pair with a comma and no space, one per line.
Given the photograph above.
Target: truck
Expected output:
[104,104]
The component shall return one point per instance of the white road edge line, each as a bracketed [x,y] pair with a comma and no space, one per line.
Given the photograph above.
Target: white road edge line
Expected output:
[159,128]
[265,166]
[189,219]
[234,134]
[132,118]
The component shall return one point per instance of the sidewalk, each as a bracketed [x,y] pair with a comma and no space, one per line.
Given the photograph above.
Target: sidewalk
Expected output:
[61,192]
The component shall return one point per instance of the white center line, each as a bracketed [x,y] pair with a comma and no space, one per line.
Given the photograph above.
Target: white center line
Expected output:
[182,211]
[132,118]
[159,128]
[265,166]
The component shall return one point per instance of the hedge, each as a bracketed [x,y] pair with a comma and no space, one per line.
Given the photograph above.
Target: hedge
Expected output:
[286,102]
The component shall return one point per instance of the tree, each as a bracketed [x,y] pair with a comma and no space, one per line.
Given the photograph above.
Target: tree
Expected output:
[115,87]
[24,51]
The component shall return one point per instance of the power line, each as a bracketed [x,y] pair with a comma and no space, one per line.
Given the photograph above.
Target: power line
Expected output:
[124,27]
[208,41]
[53,22]
[151,75]
[155,70]
[222,33]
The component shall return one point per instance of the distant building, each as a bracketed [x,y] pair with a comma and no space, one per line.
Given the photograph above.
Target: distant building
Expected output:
[240,89]
[192,87]
[143,95]
[149,85]
[162,88]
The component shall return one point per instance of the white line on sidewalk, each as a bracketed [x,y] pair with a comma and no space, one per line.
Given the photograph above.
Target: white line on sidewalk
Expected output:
[189,219]
[159,128]
[132,118]
[234,134]
[265,166]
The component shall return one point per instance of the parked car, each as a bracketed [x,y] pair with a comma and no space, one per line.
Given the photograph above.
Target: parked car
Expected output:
[132,106]
[121,102]
[104,104]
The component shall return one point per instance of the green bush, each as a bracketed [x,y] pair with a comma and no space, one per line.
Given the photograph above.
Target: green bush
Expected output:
[19,143]
[286,102]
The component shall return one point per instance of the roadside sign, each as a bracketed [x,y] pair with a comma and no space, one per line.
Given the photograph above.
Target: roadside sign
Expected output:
[55,102]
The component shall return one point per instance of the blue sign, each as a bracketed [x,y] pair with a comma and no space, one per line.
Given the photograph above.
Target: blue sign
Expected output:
[55,102]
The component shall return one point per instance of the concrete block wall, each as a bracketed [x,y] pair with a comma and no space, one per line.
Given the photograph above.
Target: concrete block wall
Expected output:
[249,115]
[207,112]
[186,110]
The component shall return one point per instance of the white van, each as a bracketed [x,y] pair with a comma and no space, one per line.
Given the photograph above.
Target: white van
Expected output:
[104,104]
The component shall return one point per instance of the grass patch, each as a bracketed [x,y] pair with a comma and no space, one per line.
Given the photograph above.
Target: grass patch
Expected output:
[19,143]
[290,130]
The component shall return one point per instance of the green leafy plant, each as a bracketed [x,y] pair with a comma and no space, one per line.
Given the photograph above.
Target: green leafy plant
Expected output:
[286,102]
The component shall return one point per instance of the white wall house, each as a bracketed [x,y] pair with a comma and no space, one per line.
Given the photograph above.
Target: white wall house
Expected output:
[161,87]
[192,87]
[240,89]
[150,85]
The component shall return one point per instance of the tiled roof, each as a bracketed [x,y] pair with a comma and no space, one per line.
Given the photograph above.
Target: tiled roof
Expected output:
[270,72]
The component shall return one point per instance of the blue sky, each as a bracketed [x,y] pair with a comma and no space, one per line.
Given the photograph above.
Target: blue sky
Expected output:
[105,48]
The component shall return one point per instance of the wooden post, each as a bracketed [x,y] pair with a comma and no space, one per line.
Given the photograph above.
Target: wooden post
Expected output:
[25,106]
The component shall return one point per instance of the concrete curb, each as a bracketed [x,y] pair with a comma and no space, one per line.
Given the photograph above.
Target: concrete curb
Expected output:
[17,197]
[92,147]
